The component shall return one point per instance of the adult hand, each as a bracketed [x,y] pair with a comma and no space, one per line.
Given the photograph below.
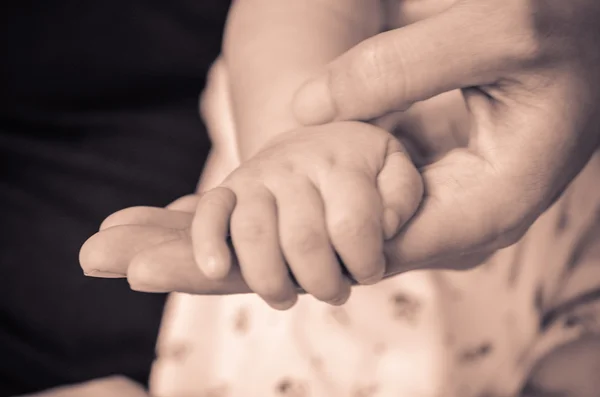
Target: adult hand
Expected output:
[531,113]
[152,246]
[530,75]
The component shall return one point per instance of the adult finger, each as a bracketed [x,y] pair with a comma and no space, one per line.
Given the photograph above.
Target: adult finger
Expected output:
[172,219]
[171,267]
[186,203]
[466,45]
[108,253]
[154,259]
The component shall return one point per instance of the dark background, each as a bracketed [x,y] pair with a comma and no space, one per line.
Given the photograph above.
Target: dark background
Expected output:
[98,111]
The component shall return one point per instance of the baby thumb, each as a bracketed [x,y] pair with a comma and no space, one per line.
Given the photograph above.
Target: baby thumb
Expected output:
[401,188]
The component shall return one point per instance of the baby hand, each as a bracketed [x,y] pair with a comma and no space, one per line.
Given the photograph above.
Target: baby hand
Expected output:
[310,197]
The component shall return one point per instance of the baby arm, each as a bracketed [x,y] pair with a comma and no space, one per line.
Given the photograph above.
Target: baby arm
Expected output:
[271,47]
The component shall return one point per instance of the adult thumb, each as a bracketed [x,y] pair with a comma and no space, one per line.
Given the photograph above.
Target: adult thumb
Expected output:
[466,45]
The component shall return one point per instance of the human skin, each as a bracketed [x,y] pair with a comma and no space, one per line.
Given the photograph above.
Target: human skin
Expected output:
[532,97]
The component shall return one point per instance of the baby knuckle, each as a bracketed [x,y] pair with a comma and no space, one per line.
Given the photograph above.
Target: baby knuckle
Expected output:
[307,240]
[248,229]
[329,160]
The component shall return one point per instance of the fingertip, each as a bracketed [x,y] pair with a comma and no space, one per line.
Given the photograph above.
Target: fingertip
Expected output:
[209,231]
[84,254]
[93,255]
[375,277]
[345,292]
[372,274]
[285,304]
[401,188]
[213,267]
[313,103]
[339,301]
